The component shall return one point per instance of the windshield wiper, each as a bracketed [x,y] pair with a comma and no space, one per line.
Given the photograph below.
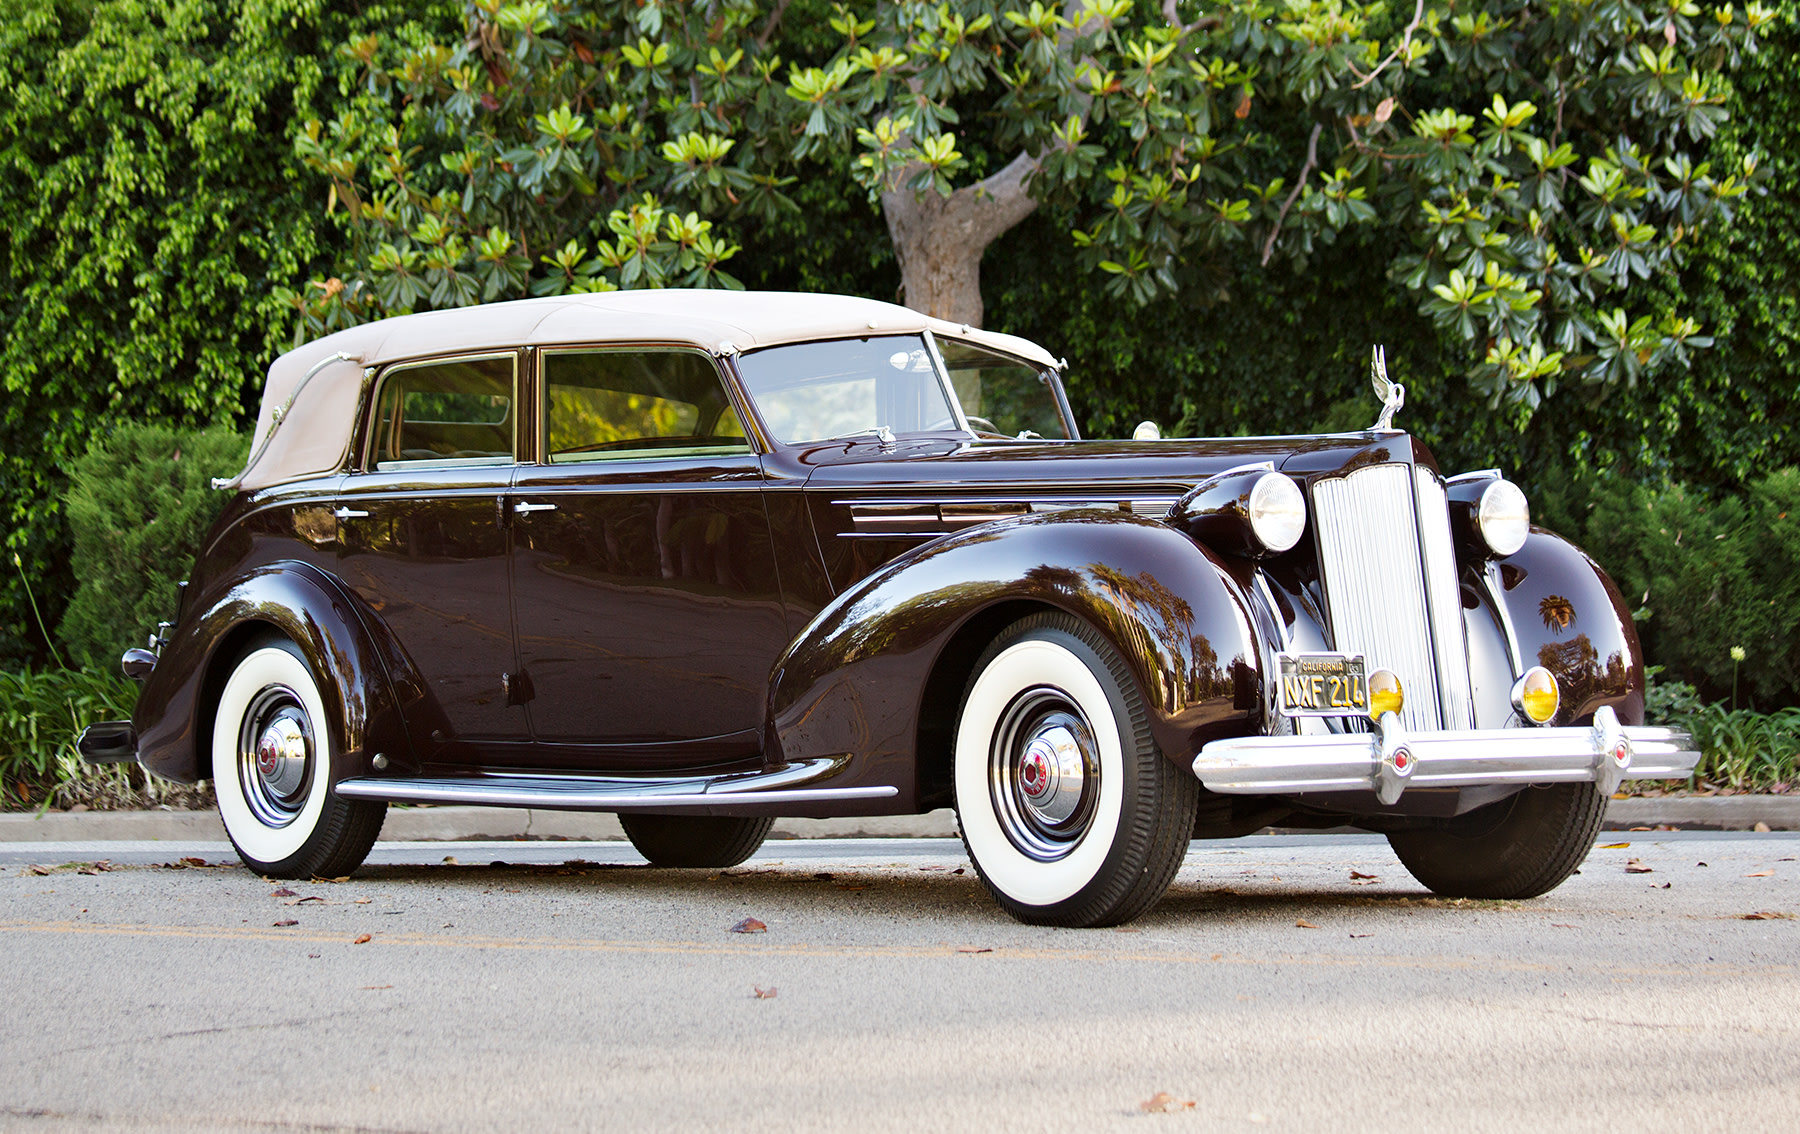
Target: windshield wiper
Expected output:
[881,433]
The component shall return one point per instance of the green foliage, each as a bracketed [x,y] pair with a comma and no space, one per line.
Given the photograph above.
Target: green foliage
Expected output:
[1528,168]
[41,714]
[148,210]
[1739,748]
[138,504]
[1706,577]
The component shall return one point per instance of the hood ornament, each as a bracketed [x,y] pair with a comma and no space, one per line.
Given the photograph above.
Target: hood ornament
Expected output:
[1392,394]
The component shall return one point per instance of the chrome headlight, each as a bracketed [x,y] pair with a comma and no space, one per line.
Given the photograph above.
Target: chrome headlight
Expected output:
[1503,518]
[1277,512]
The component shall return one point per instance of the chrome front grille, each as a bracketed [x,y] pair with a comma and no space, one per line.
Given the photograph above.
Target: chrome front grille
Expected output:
[1389,573]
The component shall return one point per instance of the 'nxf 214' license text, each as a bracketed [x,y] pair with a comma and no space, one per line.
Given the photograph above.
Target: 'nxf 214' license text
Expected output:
[1323,685]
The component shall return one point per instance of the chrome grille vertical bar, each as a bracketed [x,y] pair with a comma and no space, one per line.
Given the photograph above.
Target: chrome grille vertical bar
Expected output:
[1444,599]
[1374,580]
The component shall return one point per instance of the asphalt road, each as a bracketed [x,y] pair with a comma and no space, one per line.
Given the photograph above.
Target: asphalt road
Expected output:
[1273,988]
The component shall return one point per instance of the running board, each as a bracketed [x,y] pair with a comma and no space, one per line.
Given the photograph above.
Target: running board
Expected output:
[788,784]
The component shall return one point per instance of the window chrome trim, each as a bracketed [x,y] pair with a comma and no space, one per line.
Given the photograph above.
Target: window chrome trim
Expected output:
[367,463]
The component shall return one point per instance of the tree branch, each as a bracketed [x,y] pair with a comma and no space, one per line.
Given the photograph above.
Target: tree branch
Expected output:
[1312,159]
[768,32]
[1405,42]
[1204,23]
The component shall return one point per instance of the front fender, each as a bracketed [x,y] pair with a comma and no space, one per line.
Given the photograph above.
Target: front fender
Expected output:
[1568,617]
[856,680]
[174,714]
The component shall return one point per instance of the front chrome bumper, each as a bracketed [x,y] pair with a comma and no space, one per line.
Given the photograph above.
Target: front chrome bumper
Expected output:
[1390,759]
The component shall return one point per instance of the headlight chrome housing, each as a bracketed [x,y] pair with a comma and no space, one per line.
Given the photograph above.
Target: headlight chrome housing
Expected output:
[1251,510]
[1277,512]
[1503,518]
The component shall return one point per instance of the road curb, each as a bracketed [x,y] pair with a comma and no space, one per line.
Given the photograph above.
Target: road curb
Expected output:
[454,824]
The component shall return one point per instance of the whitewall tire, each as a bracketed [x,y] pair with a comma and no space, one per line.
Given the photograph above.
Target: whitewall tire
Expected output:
[1070,813]
[271,766]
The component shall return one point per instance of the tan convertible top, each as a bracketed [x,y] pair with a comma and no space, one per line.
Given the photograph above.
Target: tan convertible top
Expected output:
[717,321]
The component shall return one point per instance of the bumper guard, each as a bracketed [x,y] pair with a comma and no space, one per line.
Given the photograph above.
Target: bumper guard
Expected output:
[1390,759]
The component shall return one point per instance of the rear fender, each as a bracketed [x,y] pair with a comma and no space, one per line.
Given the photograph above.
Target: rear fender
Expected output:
[878,675]
[174,715]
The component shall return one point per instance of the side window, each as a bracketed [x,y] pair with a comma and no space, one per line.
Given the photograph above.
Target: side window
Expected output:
[609,404]
[446,413]
[1002,396]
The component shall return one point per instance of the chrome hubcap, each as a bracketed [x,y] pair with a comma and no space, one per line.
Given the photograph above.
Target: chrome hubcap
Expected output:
[1044,774]
[275,756]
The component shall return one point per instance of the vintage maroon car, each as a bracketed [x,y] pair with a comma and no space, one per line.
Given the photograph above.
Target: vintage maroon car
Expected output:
[707,558]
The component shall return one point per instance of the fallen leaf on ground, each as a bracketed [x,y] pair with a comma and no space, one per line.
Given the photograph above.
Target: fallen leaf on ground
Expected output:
[303,901]
[1304,924]
[375,987]
[1615,846]
[284,922]
[973,949]
[1761,828]
[1162,1102]
[749,925]
[312,956]
[38,870]
[1640,828]
[281,892]
[193,862]
[1699,864]
[764,993]
[100,867]
[364,901]
[1665,885]
[825,876]
[934,867]
[363,940]
[1636,866]
[1362,935]
[1761,874]
[1560,925]
[1355,874]
[958,870]
[1768,915]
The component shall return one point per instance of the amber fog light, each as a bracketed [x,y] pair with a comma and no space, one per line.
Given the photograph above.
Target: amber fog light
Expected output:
[1385,693]
[1535,695]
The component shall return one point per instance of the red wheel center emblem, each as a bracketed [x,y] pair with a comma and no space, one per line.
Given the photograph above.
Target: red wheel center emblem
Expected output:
[267,758]
[1034,775]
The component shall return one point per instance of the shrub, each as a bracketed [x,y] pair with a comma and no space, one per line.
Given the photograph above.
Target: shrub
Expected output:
[138,506]
[41,713]
[1705,576]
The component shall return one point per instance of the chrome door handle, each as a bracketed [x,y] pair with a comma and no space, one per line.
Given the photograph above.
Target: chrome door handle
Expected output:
[522,508]
[350,513]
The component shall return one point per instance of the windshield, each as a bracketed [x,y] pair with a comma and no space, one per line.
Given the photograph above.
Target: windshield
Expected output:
[1001,396]
[818,391]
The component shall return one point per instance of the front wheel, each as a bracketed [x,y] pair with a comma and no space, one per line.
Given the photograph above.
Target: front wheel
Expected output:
[711,841]
[1070,813]
[271,766]
[1520,847]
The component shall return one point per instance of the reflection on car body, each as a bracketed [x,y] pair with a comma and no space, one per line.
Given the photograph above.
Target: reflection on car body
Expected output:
[707,558]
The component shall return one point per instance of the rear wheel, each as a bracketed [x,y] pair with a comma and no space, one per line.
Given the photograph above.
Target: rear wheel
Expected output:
[1520,847]
[271,768]
[695,840]
[1070,813]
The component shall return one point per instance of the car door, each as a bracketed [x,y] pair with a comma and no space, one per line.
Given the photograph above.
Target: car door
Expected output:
[645,591]
[422,542]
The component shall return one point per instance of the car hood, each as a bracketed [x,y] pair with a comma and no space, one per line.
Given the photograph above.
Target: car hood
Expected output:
[1103,469]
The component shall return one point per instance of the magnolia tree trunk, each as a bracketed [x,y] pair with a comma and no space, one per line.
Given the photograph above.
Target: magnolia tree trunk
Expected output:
[940,240]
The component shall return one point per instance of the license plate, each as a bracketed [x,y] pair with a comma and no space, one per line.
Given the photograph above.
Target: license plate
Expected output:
[1323,685]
